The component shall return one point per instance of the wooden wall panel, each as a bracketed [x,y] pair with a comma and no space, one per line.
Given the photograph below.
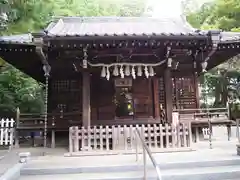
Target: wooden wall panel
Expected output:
[143,99]
[155,93]
[66,94]
[102,99]
[183,95]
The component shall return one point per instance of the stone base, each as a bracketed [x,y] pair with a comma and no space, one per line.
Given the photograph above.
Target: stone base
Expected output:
[238,149]
[24,157]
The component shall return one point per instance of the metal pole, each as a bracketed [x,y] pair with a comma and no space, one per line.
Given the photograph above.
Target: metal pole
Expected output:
[45,112]
[237,124]
[208,118]
[144,164]
[210,132]
[46,69]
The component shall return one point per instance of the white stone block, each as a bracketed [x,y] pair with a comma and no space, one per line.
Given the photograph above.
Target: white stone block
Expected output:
[24,157]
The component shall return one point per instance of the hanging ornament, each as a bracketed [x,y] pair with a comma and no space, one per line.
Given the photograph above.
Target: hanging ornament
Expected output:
[204,66]
[139,71]
[115,71]
[146,71]
[127,70]
[169,62]
[121,72]
[151,71]
[108,74]
[133,73]
[103,72]
[195,65]
[175,65]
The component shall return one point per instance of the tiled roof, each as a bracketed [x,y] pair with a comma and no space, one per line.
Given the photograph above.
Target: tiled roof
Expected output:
[21,38]
[230,36]
[118,26]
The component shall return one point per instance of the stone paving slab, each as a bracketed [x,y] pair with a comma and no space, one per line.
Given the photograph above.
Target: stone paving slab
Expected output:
[166,174]
[116,160]
[3,152]
[8,161]
[225,150]
[9,158]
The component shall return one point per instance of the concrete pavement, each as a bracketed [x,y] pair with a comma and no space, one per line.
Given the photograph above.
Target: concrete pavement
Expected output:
[220,163]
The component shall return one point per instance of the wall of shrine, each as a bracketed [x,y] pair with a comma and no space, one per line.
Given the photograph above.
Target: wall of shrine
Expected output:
[110,101]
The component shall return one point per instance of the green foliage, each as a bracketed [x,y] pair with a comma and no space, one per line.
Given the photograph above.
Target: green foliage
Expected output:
[18,90]
[222,81]
[3,14]
[32,15]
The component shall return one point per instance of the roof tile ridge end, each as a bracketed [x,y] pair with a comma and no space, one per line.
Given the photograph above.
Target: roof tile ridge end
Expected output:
[58,25]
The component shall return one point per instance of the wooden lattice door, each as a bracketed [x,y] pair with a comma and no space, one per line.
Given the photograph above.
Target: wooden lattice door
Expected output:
[184,94]
[143,101]
[66,95]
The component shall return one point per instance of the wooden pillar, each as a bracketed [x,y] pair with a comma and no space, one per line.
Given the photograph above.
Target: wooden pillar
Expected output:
[168,94]
[86,106]
[156,99]
[196,82]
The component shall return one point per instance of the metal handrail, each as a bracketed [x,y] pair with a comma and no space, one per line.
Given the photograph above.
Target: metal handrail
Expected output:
[146,150]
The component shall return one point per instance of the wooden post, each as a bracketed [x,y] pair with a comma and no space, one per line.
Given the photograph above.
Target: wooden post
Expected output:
[70,140]
[53,144]
[156,99]
[190,134]
[237,133]
[16,128]
[197,134]
[196,81]
[184,135]
[168,94]
[86,107]
[238,145]
[76,139]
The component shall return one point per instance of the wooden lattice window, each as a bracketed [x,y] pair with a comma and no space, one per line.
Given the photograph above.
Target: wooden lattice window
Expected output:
[183,92]
[67,94]
[184,96]
[60,85]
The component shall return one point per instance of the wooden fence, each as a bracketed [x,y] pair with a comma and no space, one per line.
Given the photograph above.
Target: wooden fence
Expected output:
[6,132]
[122,137]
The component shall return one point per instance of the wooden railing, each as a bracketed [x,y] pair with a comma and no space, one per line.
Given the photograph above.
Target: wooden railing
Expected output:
[204,119]
[6,132]
[54,121]
[199,116]
[122,137]
[30,122]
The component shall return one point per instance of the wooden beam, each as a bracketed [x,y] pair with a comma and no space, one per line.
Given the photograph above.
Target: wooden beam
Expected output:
[168,94]
[86,121]
[156,99]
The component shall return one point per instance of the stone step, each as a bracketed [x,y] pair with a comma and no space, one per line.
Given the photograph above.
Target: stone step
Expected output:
[203,173]
[75,168]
